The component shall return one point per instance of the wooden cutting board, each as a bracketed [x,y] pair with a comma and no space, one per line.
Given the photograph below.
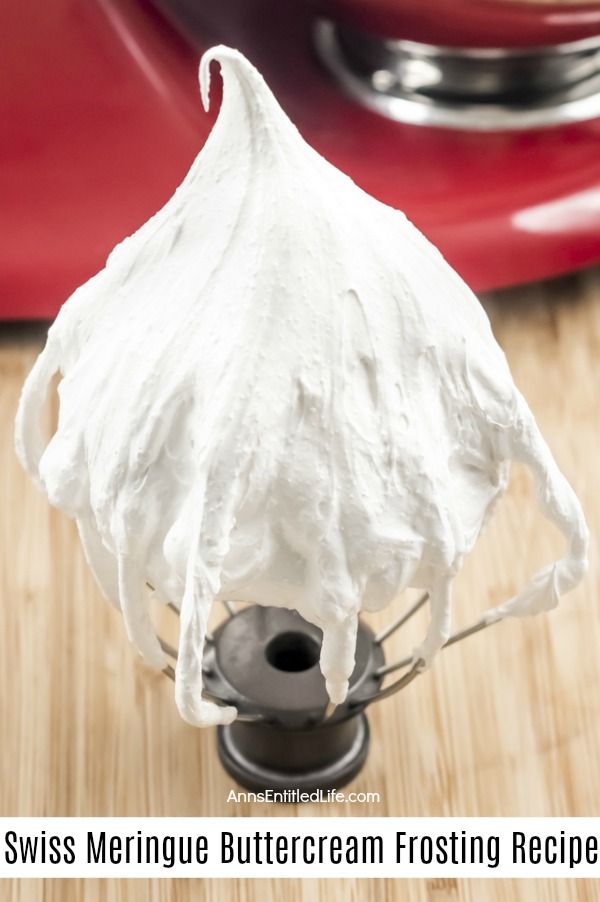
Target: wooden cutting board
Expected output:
[507,723]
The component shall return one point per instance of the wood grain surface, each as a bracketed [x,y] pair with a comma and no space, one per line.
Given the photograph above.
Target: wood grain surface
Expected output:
[507,723]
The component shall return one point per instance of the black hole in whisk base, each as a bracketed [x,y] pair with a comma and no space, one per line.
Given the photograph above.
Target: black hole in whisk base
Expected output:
[292,652]
[290,746]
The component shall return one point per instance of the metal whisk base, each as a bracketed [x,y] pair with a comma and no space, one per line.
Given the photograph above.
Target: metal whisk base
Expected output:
[261,756]
[265,661]
[287,735]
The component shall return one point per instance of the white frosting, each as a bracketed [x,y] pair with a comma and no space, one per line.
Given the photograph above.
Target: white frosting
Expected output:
[278,391]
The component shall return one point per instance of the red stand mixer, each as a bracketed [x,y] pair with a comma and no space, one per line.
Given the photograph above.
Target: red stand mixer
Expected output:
[479,118]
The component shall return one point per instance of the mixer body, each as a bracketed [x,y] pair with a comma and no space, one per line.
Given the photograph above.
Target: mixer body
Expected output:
[99,103]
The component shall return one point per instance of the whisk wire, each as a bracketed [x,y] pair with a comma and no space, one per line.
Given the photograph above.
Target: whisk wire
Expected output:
[402,619]
[394,687]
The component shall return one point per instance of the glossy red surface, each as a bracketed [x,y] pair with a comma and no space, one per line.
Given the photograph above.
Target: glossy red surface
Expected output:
[469,23]
[101,114]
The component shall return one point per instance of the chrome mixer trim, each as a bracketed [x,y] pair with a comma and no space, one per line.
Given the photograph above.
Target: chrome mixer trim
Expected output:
[476,89]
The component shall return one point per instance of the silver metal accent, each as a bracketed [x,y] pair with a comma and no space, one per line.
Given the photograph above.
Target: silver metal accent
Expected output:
[456,637]
[476,89]
[168,649]
[173,653]
[230,608]
[395,665]
[396,624]
[241,716]
[399,684]
[329,711]
[169,672]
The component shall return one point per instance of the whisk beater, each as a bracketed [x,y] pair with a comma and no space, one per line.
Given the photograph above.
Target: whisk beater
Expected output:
[287,735]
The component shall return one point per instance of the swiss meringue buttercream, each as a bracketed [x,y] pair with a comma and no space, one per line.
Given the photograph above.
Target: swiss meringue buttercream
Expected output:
[277,391]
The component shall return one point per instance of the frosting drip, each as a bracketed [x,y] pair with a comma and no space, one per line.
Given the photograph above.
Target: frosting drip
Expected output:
[277,391]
